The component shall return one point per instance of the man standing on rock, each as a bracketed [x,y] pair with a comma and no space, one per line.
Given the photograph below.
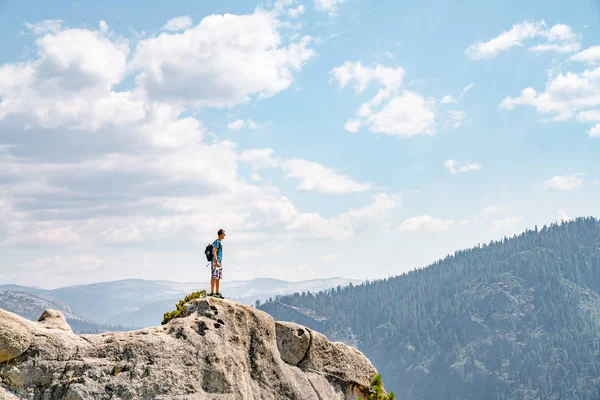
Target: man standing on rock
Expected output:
[216,273]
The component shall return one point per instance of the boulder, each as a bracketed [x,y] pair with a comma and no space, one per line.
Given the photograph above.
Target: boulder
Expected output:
[218,349]
[337,360]
[54,319]
[15,336]
[293,341]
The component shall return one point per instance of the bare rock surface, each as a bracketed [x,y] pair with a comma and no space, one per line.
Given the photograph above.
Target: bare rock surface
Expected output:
[218,350]
[54,319]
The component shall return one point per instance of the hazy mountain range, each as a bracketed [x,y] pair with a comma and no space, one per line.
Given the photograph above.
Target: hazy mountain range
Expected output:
[138,302]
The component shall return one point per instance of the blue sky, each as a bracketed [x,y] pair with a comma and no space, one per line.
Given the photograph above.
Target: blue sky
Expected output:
[328,137]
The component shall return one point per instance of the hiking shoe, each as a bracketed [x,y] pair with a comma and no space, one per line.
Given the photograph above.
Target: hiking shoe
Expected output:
[211,295]
[219,296]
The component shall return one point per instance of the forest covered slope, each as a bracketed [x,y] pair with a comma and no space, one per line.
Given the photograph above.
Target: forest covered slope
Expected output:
[513,319]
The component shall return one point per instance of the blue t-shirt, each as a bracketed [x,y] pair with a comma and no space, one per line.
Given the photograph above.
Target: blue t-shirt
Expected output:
[217,245]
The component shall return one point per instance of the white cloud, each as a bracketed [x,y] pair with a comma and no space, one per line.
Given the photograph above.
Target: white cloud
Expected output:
[353,125]
[390,78]
[280,5]
[456,167]
[224,60]
[594,131]
[259,158]
[591,55]
[89,165]
[408,114]
[239,124]
[391,111]
[567,182]
[426,223]
[559,38]
[69,84]
[448,99]
[70,60]
[557,48]
[565,96]
[296,12]
[589,116]
[236,125]
[178,24]
[46,26]
[347,223]
[329,6]
[314,177]
[506,225]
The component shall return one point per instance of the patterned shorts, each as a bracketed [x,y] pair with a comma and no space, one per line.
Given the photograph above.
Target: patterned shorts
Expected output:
[216,273]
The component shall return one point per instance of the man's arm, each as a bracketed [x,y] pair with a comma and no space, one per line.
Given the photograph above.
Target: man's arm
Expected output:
[215,249]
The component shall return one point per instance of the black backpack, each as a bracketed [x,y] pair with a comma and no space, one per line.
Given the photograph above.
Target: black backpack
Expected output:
[209,252]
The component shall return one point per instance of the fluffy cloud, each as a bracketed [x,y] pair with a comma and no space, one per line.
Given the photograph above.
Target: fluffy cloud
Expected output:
[591,55]
[391,111]
[315,177]
[565,96]
[426,223]
[567,182]
[259,158]
[329,6]
[223,61]
[589,116]
[87,165]
[456,167]
[353,125]
[408,114]
[594,131]
[361,76]
[236,125]
[70,60]
[559,38]
[178,24]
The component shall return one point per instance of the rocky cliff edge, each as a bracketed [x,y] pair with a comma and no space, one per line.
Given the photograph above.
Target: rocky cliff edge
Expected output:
[218,350]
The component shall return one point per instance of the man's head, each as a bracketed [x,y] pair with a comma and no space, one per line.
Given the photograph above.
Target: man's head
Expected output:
[221,234]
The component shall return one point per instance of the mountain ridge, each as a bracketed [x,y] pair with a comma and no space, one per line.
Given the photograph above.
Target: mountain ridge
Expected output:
[139,302]
[515,318]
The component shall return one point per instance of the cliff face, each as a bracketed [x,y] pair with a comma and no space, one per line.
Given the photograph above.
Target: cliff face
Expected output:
[218,350]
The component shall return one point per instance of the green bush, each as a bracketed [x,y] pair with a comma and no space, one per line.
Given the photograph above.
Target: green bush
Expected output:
[179,307]
[377,391]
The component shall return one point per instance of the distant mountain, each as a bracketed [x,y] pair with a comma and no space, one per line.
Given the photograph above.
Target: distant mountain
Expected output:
[513,319]
[31,307]
[138,302]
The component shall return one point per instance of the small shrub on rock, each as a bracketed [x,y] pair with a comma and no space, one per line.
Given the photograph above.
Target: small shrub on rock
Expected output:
[179,307]
[377,391]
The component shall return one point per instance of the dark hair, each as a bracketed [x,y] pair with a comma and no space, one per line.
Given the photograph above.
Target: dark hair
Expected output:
[221,231]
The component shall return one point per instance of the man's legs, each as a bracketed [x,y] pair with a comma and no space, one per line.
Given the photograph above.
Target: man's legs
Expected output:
[217,281]
[212,286]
